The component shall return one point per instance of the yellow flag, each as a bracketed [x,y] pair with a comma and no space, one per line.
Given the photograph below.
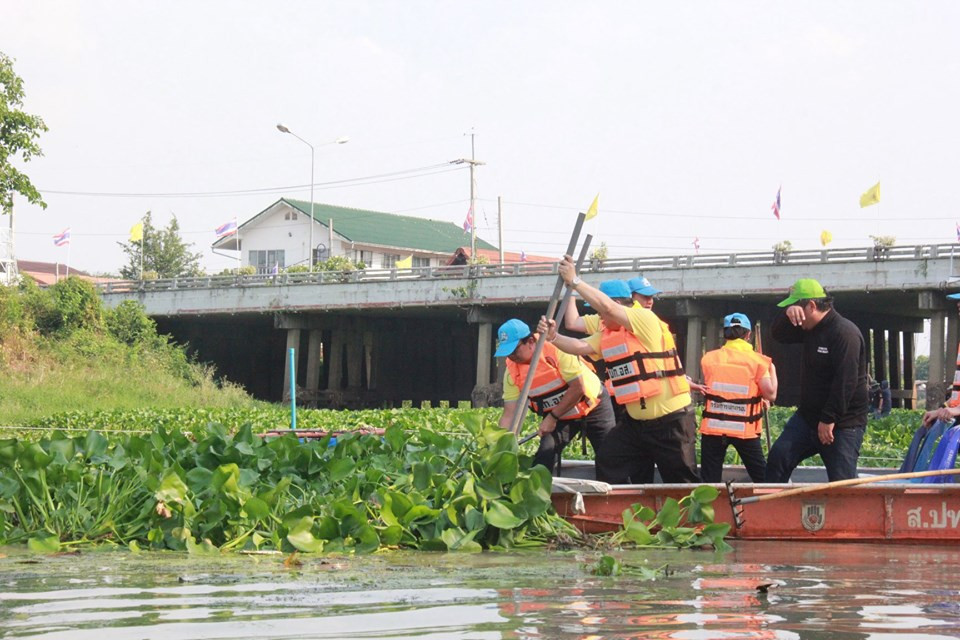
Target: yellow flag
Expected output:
[870,196]
[406,263]
[136,232]
[592,211]
[826,237]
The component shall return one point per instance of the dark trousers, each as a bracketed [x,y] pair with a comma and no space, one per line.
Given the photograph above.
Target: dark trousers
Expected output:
[595,426]
[800,441]
[635,446]
[713,449]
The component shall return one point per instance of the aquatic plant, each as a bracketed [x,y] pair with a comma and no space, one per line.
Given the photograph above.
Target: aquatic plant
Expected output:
[679,524]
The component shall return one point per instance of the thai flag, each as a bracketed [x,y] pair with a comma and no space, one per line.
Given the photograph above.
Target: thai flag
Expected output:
[226,229]
[523,256]
[696,244]
[958,232]
[275,269]
[62,238]
[468,223]
[775,207]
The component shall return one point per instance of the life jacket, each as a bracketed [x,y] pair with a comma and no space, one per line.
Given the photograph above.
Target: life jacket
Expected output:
[636,372]
[548,386]
[955,387]
[734,406]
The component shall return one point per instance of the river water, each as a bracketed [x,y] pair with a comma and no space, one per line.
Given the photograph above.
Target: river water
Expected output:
[759,590]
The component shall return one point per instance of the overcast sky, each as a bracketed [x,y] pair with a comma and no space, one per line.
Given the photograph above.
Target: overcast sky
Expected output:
[685,117]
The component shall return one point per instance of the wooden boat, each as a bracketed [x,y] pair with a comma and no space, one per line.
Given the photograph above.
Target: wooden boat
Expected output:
[888,511]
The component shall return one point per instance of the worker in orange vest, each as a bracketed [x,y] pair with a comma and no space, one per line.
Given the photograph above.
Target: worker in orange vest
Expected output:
[738,381]
[565,393]
[951,408]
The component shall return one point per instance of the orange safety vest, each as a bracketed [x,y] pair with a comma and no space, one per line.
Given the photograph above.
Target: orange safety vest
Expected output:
[548,386]
[635,371]
[955,388]
[734,405]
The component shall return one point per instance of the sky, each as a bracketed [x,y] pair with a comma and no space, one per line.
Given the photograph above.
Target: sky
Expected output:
[686,118]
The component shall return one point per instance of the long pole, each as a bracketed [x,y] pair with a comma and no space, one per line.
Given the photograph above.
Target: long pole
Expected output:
[500,225]
[551,309]
[763,411]
[311,204]
[473,210]
[143,244]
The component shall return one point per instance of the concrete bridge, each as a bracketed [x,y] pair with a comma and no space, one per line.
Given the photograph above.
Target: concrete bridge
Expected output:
[382,337]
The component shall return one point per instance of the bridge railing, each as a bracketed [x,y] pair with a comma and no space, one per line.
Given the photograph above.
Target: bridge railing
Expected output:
[639,264]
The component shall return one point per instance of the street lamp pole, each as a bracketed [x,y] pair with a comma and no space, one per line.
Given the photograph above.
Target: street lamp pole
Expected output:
[341,140]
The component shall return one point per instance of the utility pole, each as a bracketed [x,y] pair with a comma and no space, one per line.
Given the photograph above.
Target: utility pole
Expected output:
[473,162]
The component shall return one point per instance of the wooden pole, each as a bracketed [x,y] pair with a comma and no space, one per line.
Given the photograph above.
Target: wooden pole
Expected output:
[845,483]
[551,309]
[766,421]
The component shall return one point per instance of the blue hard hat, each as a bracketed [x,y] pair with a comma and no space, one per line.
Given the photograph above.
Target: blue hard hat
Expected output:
[509,336]
[642,286]
[737,320]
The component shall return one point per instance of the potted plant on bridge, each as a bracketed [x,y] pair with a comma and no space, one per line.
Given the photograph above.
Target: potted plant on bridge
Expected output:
[781,250]
[881,246]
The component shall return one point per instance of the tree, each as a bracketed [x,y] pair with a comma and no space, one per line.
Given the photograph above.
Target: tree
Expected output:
[164,253]
[921,368]
[18,138]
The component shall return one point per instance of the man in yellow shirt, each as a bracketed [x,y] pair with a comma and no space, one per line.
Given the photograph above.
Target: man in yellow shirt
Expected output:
[565,392]
[642,291]
[658,427]
[737,381]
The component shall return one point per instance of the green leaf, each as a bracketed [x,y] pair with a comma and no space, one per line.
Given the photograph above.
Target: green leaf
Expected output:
[669,515]
[705,494]
[340,469]
[45,544]
[457,539]
[503,466]
[499,515]
[302,538]
[172,488]
[257,509]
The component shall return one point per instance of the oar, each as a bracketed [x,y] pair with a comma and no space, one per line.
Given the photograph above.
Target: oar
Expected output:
[551,309]
[558,319]
[763,410]
[846,483]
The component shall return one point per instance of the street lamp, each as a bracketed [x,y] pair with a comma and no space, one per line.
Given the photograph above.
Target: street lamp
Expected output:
[340,140]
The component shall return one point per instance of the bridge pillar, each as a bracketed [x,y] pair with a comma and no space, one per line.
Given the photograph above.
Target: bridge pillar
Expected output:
[335,359]
[314,361]
[936,382]
[355,357]
[694,350]
[893,365]
[484,353]
[910,402]
[293,342]
[879,355]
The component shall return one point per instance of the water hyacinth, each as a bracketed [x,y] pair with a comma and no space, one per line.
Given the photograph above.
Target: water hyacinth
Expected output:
[412,488]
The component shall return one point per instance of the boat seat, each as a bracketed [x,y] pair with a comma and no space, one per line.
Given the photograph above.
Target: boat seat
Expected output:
[945,457]
[929,445]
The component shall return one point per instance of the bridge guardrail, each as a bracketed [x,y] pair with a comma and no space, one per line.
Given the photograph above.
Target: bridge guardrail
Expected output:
[638,264]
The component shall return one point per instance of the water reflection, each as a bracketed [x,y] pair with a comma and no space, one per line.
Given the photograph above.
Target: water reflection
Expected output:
[760,590]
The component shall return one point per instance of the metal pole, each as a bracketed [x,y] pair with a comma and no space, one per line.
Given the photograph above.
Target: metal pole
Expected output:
[473,210]
[311,205]
[551,309]
[293,387]
[500,225]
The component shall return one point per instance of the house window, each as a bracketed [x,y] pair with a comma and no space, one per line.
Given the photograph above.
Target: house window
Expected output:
[389,260]
[366,257]
[421,262]
[290,215]
[267,261]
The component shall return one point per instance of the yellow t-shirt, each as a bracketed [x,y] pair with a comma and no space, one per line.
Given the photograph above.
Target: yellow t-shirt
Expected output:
[571,368]
[591,324]
[645,325]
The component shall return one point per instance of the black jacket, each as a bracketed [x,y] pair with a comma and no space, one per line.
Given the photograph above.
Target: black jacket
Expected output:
[833,375]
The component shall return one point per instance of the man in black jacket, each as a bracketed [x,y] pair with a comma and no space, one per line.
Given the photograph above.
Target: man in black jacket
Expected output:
[832,416]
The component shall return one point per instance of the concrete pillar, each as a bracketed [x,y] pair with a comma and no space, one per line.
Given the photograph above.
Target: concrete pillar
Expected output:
[937,382]
[293,342]
[354,357]
[879,355]
[335,358]
[370,357]
[712,330]
[908,373]
[694,350]
[484,353]
[893,350]
[314,361]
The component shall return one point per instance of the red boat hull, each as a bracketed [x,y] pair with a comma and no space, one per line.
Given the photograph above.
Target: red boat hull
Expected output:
[908,513]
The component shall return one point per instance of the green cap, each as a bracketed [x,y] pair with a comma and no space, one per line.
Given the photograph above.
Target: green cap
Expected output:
[804,289]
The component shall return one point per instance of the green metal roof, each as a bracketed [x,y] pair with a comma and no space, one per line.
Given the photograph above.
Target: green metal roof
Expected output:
[388,229]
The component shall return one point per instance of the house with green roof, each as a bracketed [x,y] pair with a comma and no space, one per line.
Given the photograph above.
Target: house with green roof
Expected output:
[279,237]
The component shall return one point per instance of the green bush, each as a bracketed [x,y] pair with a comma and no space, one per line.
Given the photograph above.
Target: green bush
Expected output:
[129,324]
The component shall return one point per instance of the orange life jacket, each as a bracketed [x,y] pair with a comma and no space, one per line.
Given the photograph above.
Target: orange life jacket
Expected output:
[636,372]
[734,405]
[548,386]
[955,388]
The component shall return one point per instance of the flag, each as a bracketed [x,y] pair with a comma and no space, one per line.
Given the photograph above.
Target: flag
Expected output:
[62,238]
[696,244]
[226,229]
[275,269]
[523,254]
[958,232]
[592,211]
[870,196]
[136,232]
[468,223]
[775,207]
[826,237]
[406,263]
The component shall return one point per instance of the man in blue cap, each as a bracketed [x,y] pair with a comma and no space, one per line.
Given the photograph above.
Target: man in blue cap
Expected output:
[640,356]
[616,290]
[831,418]
[737,382]
[643,292]
[951,408]
[565,393]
